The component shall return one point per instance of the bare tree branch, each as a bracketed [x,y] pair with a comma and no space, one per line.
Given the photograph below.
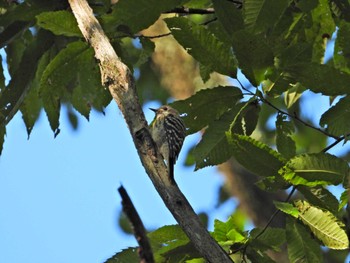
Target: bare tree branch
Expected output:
[191,11]
[119,80]
[145,250]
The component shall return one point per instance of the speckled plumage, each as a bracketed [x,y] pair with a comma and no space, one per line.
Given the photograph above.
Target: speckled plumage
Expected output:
[168,131]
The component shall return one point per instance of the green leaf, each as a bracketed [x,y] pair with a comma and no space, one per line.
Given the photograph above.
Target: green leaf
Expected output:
[321,30]
[253,54]
[32,104]
[307,6]
[239,219]
[218,30]
[324,225]
[148,85]
[341,9]
[196,260]
[229,16]
[125,256]
[124,223]
[251,116]
[25,11]
[214,149]
[279,79]
[337,118]
[277,82]
[294,54]
[315,169]
[272,238]
[60,23]
[287,208]
[81,86]
[341,55]
[272,183]
[12,97]
[302,248]
[199,114]
[320,197]
[13,31]
[201,44]
[170,243]
[166,235]
[261,15]
[205,72]
[180,253]
[16,18]
[227,234]
[320,78]
[293,94]
[147,50]
[136,15]
[255,255]
[72,118]
[235,236]
[344,199]
[284,142]
[254,155]
[89,91]
[15,50]
[59,72]
[57,75]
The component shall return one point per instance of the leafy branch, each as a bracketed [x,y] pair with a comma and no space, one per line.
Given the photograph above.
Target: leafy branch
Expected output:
[338,139]
[294,116]
[121,84]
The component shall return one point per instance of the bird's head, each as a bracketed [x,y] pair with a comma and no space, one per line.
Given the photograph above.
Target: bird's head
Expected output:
[165,110]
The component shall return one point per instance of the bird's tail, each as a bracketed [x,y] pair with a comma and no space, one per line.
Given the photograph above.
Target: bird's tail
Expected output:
[171,170]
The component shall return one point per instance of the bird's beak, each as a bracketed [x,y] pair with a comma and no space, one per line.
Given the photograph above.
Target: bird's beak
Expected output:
[155,110]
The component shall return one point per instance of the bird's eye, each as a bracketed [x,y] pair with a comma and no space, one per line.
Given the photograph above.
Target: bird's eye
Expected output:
[165,108]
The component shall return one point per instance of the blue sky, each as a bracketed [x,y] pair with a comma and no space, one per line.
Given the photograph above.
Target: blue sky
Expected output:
[58,197]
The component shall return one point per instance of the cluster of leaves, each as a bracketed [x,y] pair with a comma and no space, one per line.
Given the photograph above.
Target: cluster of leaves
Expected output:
[50,64]
[227,134]
[278,45]
[170,244]
[46,69]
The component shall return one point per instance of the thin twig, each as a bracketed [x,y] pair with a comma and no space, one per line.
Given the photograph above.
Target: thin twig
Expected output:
[276,212]
[191,11]
[245,246]
[295,117]
[142,36]
[156,36]
[334,143]
[145,250]
[209,21]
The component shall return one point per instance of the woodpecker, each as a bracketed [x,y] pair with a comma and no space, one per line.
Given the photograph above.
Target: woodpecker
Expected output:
[169,132]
